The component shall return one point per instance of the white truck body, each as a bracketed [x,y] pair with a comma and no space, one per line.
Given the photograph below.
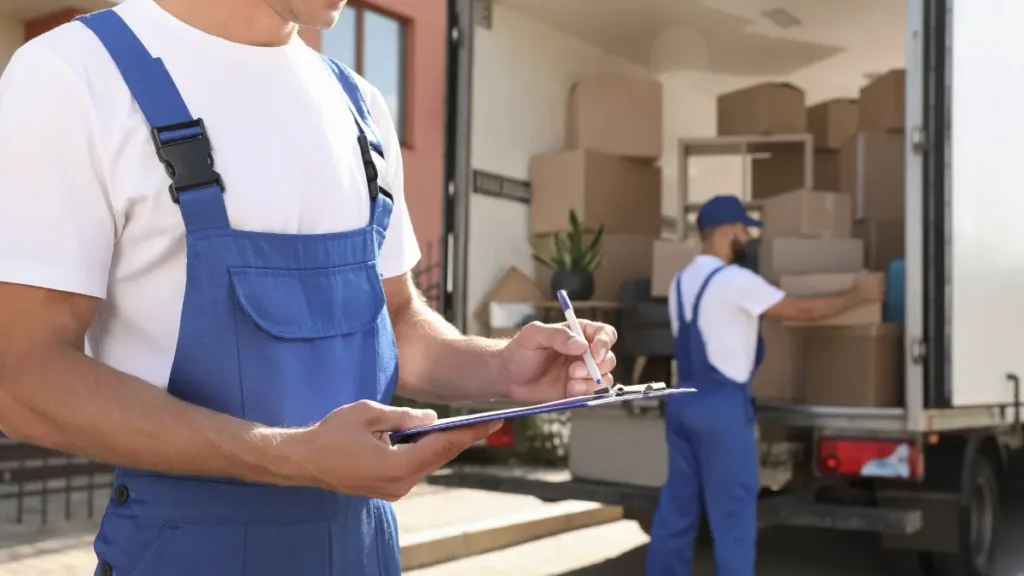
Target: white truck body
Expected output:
[512,65]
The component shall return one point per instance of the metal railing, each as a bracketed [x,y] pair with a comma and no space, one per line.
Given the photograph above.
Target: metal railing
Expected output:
[428,274]
[32,474]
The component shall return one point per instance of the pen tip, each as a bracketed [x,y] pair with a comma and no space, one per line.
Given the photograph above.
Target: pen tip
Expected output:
[598,381]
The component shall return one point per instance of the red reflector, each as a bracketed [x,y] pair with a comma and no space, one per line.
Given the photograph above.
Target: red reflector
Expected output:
[869,458]
[504,437]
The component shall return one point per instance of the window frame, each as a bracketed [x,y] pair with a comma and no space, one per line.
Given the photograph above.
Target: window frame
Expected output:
[359,10]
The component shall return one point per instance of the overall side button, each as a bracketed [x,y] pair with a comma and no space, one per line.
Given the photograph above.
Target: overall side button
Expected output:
[121,494]
[106,569]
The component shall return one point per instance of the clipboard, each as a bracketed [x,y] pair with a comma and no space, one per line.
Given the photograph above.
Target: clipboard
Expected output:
[613,395]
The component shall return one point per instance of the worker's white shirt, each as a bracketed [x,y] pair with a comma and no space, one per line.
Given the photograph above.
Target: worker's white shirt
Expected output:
[84,203]
[729,312]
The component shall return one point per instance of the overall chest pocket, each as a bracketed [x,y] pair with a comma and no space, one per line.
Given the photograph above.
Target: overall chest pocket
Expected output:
[307,340]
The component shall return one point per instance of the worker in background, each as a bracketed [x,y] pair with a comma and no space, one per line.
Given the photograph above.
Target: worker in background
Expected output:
[246,310]
[715,307]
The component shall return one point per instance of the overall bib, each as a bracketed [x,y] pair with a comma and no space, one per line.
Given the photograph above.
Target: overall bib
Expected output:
[279,329]
[713,461]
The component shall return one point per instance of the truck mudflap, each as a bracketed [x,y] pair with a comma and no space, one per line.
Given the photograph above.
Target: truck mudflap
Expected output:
[773,509]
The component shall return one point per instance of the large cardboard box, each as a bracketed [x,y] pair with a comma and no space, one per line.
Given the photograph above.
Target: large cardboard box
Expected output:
[831,285]
[616,115]
[623,257]
[779,379]
[623,195]
[826,170]
[883,102]
[854,366]
[768,108]
[670,257]
[884,241]
[508,304]
[780,256]
[872,169]
[781,170]
[832,122]
[808,214]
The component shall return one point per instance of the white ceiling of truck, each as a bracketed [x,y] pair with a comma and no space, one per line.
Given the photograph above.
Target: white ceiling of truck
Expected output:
[732,36]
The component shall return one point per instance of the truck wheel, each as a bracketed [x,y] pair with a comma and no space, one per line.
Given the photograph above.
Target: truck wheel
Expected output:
[977,525]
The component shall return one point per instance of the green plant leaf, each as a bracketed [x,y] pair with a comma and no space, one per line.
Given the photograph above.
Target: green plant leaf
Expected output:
[574,222]
[563,256]
[543,261]
[593,265]
[596,243]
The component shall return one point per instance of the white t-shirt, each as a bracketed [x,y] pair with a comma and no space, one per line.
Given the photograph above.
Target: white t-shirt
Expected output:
[730,312]
[84,204]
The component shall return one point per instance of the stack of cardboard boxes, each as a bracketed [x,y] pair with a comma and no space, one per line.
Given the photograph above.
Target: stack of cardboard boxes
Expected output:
[607,174]
[871,168]
[815,241]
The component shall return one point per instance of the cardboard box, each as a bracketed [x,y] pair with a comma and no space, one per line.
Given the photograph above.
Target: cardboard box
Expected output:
[768,108]
[780,256]
[623,195]
[808,214]
[779,379]
[831,285]
[616,115]
[670,257]
[826,170]
[883,102]
[781,171]
[854,366]
[884,241]
[832,122]
[623,257]
[872,169]
[514,288]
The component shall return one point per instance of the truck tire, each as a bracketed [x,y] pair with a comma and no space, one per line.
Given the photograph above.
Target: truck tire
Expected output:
[978,524]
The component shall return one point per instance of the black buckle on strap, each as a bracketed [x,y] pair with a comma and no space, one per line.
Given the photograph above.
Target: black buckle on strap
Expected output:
[369,167]
[189,162]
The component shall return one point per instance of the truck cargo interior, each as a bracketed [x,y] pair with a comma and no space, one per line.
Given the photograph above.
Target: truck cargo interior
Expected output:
[852,129]
[634,115]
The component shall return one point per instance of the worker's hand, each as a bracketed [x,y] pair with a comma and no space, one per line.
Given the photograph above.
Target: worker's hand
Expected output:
[869,287]
[544,362]
[349,452]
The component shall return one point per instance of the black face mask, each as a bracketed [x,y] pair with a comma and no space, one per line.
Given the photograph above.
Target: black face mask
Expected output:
[739,252]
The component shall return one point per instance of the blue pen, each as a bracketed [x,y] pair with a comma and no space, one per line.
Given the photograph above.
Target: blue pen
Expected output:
[588,358]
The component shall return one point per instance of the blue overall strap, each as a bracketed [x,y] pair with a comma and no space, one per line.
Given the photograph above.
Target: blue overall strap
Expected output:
[369,139]
[703,287]
[357,103]
[181,141]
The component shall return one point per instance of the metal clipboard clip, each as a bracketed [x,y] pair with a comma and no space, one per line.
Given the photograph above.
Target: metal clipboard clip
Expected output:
[641,405]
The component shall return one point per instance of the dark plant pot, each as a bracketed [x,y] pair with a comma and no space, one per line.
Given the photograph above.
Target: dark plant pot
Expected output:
[578,284]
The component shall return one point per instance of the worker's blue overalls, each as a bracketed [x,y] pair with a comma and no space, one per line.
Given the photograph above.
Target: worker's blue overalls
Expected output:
[712,461]
[279,329]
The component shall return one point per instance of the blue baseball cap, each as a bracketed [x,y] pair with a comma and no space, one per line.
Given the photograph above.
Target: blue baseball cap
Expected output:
[724,210]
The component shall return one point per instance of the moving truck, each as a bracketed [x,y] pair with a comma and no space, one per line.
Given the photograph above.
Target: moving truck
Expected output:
[926,473]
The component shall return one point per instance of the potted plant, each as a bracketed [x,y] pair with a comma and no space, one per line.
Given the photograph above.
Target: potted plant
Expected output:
[572,259]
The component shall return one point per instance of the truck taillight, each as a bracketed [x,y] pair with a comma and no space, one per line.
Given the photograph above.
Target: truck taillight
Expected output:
[870,458]
[504,437]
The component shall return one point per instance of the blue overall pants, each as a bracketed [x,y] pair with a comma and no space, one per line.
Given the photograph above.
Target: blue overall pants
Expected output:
[279,329]
[713,461]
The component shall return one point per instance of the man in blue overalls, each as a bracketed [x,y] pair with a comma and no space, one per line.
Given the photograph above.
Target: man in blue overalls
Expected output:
[233,250]
[715,306]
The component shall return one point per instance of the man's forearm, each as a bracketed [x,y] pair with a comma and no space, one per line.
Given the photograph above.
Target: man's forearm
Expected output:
[439,364]
[65,400]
